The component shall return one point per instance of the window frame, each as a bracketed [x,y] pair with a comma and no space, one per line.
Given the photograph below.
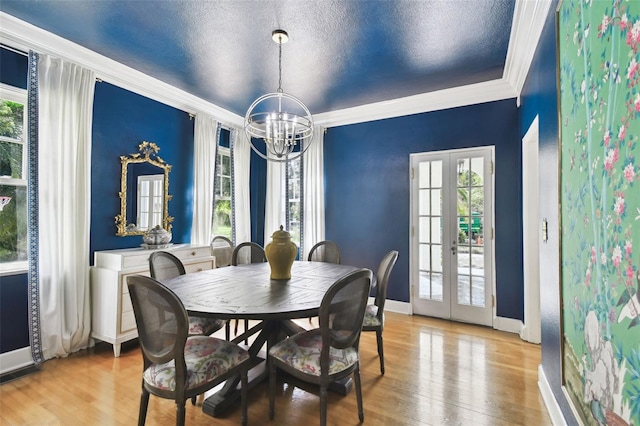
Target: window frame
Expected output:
[218,190]
[18,95]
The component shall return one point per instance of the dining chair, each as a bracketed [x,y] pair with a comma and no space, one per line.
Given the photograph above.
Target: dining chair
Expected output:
[163,266]
[330,352]
[245,253]
[176,365]
[222,250]
[325,251]
[374,314]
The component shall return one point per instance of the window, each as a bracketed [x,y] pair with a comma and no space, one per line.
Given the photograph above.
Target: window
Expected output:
[150,201]
[294,200]
[13,179]
[222,214]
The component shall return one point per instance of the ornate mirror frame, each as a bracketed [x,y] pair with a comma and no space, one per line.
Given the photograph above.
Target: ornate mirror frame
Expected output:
[147,153]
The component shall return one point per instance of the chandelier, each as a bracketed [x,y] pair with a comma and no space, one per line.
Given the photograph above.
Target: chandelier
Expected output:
[281,121]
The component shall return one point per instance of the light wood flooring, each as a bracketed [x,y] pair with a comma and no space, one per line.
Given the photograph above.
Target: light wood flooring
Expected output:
[437,373]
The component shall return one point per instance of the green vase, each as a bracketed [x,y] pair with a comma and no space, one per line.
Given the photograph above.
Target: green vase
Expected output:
[281,252]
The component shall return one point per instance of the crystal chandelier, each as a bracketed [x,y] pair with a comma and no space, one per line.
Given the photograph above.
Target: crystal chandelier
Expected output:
[278,119]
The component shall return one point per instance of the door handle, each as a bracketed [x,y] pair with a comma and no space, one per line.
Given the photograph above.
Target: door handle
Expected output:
[453,247]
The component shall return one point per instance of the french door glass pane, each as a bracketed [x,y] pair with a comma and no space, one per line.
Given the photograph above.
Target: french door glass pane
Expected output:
[430,229]
[470,208]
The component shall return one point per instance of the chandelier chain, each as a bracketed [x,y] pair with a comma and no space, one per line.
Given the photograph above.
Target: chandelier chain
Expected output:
[280,65]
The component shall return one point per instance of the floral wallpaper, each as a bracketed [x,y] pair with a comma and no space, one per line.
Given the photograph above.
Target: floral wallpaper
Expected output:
[598,42]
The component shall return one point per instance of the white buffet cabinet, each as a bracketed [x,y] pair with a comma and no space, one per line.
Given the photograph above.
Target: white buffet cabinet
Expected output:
[112,318]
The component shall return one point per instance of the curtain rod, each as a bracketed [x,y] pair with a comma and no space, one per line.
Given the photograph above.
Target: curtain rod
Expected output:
[14,50]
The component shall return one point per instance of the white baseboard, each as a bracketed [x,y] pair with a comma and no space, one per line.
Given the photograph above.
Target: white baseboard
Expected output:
[549,400]
[398,307]
[499,323]
[507,324]
[14,360]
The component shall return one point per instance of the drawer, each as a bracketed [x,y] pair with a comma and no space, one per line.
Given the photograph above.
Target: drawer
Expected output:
[138,260]
[198,266]
[127,317]
[187,253]
[127,322]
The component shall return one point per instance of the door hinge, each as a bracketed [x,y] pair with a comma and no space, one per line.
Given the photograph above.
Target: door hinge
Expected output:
[493,301]
[491,166]
[412,173]
[412,231]
[492,233]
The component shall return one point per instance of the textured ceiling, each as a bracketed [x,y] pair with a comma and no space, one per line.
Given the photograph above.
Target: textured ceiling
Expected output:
[340,54]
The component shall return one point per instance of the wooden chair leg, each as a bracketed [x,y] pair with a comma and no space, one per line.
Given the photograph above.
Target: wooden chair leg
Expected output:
[356,379]
[144,403]
[380,350]
[323,405]
[246,327]
[272,389]
[180,413]
[244,385]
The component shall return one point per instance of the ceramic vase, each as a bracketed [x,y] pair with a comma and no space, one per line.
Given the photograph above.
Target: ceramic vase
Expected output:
[281,252]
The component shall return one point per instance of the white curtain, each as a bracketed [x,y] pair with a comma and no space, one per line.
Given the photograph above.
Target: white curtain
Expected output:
[274,207]
[241,201]
[204,161]
[314,191]
[64,177]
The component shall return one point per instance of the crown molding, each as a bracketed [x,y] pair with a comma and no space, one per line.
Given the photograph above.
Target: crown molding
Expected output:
[529,18]
[472,94]
[24,36]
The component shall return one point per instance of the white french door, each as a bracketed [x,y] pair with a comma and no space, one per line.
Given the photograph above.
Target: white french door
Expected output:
[451,266]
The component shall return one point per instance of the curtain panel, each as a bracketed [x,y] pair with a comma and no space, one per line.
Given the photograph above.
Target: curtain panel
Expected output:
[313,192]
[240,199]
[206,134]
[65,108]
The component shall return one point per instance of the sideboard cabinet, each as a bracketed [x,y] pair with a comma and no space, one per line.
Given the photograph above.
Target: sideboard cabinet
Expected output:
[112,318]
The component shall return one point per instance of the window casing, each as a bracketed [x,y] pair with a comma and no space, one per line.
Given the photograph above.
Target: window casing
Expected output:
[13,179]
[222,207]
[294,201]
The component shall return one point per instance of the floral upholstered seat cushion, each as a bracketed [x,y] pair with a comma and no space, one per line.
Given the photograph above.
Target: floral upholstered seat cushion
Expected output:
[371,316]
[201,325]
[206,358]
[302,352]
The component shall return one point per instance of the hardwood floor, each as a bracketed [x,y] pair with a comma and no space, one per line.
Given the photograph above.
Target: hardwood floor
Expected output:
[437,373]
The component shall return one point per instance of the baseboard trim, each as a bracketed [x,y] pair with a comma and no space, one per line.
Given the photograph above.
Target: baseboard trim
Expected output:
[507,324]
[15,360]
[549,400]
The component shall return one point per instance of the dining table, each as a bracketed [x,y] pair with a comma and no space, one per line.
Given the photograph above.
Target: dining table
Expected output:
[247,292]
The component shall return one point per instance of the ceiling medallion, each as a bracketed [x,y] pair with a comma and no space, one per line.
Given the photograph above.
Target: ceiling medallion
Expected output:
[280,121]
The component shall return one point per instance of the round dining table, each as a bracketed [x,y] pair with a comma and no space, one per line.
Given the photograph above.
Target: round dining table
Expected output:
[248,292]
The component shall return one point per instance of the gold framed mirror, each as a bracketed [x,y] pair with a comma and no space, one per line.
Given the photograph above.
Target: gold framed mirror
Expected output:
[144,192]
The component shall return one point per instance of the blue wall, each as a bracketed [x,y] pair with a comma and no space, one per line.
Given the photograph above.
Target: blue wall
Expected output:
[121,120]
[539,97]
[367,189]
[14,315]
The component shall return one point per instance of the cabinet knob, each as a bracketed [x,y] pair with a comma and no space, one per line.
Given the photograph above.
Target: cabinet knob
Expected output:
[199,270]
[193,253]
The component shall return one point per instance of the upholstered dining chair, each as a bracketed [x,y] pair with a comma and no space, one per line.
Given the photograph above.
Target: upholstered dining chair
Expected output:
[245,253]
[175,365]
[222,249]
[330,352]
[374,315]
[163,266]
[325,251]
